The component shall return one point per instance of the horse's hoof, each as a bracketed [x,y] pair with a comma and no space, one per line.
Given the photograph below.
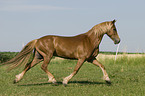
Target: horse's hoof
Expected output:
[108,82]
[64,84]
[14,82]
[55,84]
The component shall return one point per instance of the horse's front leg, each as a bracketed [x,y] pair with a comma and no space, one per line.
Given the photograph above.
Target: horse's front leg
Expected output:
[76,69]
[106,77]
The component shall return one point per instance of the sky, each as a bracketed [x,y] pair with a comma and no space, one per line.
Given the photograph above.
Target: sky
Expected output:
[24,20]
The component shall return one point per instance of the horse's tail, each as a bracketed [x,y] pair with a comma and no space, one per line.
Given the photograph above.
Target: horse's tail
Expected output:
[22,57]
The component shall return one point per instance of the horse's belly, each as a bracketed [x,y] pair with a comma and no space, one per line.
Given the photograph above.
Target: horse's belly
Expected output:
[65,52]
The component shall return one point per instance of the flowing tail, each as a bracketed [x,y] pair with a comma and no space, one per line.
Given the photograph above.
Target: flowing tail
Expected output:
[22,57]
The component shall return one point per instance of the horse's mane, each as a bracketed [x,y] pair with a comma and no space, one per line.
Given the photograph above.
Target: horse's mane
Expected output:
[100,29]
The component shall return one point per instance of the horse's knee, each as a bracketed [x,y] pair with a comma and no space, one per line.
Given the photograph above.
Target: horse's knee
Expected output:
[102,66]
[43,66]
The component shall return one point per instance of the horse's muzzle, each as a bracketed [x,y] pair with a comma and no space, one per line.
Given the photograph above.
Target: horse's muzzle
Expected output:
[117,41]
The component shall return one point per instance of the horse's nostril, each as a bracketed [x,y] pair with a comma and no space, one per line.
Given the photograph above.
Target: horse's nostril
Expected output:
[119,41]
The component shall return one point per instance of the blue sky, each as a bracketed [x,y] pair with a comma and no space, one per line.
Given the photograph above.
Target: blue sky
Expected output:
[24,20]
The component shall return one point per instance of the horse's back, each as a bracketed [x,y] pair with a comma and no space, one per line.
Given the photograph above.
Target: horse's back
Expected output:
[74,40]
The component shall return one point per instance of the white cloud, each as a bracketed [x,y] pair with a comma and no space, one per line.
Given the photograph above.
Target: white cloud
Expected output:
[31,8]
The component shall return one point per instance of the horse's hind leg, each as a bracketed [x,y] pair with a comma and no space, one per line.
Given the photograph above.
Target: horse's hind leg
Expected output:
[35,61]
[44,68]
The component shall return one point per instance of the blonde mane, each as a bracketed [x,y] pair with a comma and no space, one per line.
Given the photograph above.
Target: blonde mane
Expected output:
[99,30]
[102,28]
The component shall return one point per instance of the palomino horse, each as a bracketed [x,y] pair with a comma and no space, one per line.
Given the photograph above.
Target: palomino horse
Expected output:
[83,47]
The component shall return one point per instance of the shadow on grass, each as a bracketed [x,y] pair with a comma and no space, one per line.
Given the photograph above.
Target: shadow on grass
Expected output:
[70,82]
[86,82]
[39,84]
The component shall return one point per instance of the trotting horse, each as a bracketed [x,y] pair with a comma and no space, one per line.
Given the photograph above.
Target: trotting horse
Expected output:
[83,47]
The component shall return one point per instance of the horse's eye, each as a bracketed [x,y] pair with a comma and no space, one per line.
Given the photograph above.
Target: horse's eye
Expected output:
[114,29]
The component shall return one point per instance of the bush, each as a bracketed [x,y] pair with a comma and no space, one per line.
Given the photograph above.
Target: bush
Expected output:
[5,56]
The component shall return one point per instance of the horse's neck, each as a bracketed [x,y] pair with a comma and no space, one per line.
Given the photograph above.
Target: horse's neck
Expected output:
[95,37]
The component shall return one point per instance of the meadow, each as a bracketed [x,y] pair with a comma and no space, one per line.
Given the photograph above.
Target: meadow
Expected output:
[127,75]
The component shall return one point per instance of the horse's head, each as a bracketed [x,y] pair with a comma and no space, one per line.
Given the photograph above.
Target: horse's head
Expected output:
[112,33]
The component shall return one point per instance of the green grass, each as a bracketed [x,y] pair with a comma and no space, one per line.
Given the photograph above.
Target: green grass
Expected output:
[127,76]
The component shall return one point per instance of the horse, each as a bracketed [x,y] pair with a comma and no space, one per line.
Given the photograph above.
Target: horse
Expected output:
[83,47]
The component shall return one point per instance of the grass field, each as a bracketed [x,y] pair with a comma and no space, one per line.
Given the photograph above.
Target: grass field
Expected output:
[127,75]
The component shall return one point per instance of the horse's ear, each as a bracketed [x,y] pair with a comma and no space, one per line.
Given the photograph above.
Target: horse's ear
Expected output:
[113,21]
